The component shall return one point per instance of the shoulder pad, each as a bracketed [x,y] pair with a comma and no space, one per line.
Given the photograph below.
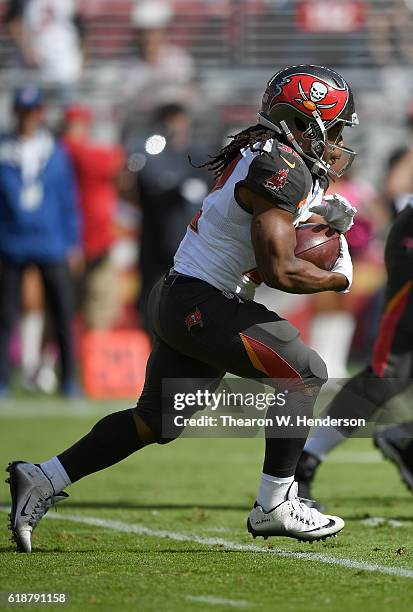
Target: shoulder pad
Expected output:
[280,176]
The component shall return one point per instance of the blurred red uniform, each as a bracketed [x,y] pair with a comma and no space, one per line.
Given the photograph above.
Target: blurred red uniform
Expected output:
[96,167]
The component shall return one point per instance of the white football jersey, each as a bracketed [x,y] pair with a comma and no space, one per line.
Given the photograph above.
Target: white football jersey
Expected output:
[217,247]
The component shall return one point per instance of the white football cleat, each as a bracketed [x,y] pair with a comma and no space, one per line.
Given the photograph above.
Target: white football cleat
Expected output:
[293,519]
[32,495]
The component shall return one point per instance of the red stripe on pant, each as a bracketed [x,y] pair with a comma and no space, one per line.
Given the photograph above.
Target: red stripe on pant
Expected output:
[266,360]
[391,317]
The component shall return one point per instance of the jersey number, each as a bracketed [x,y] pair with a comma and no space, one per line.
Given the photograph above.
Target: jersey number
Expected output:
[218,185]
[227,173]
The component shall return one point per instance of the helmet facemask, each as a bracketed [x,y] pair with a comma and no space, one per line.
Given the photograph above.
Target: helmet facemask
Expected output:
[326,147]
[318,142]
[308,107]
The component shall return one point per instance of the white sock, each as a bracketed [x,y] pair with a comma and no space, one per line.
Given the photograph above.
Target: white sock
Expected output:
[31,334]
[56,473]
[273,491]
[323,441]
[331,334]
[46,378]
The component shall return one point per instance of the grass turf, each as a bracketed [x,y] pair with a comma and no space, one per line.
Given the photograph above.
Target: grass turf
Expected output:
[203,489]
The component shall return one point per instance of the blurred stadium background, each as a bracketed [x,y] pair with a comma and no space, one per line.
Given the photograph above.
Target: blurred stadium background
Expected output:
[193,71]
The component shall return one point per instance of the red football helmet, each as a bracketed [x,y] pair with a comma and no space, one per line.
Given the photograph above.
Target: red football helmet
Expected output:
[310,106]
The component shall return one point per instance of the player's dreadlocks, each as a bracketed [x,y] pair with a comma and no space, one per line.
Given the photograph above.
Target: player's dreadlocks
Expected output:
[247,138]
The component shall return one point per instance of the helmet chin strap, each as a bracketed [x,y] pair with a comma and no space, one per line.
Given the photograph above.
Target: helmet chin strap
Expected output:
[319,167]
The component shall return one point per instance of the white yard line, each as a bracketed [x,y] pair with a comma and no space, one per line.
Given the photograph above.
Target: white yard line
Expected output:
[376,521]
[219,601]
[120,526]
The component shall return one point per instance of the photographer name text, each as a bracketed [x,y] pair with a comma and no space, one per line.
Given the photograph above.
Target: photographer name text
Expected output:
[225,420]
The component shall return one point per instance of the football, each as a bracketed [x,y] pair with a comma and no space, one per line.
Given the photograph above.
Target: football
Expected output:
[318,244]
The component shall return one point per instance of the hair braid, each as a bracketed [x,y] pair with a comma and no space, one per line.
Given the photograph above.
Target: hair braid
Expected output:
[247,138]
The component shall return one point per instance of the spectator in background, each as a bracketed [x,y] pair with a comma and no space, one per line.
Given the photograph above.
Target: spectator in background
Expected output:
[39,224]
[390,32]
[160,71]
[96,168]
[48,35]
[170,191]
[157,57]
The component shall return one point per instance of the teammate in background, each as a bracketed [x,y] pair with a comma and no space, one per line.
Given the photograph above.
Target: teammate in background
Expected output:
[203,315]
[388,373]
[334,316]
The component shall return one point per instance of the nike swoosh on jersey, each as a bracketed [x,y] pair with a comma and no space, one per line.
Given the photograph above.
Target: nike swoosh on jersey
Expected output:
[292,165]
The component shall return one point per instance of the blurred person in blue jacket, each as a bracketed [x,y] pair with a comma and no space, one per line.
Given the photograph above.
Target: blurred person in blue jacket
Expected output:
[39,224]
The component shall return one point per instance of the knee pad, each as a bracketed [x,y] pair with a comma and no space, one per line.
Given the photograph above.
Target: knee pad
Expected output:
[285,339]
[380,389]
[153,420]
[364,394]
[398,366]
[317,366]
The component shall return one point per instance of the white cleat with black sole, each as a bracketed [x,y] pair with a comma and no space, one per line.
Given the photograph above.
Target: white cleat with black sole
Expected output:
[32,495]
[293,519]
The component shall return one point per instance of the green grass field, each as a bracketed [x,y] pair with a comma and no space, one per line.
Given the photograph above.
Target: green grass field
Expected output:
[165,529]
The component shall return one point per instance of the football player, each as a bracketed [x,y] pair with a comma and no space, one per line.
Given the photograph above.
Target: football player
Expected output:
[270,177]
[388,373]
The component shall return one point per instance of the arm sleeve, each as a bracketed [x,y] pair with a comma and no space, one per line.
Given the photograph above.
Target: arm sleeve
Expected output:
[283,181]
